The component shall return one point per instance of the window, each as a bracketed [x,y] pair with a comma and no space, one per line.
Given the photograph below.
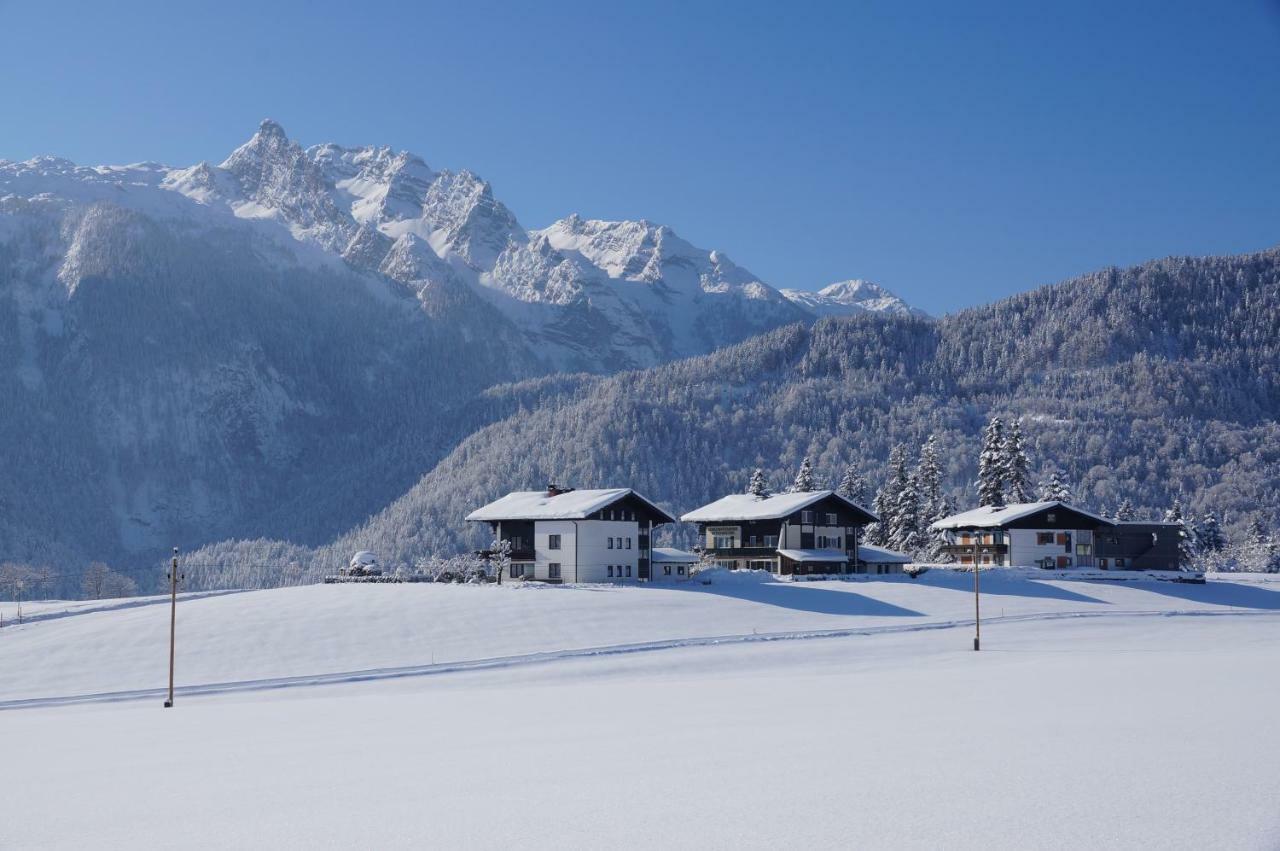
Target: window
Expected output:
[966,559]
[806,517]
[986,558]
[619,542]
[831,520]
[611,543]
[680,569]
[517,570]
[729,565]
[666,570]
[628,543]
[822,542]
[628,571]
[1102,563]
[1051,517]
[1044,539]
[553,570]
[1084,550]
[837,543]
[610,571]
[723,537]
[1120,562]
[771,540]
[553,542]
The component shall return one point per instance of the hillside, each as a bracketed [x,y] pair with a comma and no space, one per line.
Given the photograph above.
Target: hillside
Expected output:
[1148,383]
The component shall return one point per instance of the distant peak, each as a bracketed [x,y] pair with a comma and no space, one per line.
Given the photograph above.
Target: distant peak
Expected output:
[271,128]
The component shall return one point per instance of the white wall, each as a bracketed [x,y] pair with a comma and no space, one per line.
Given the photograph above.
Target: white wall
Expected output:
[589,548]
[1025,552]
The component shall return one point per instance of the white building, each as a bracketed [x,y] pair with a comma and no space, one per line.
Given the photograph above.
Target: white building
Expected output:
[566,535]
[671,564]
[1032,534]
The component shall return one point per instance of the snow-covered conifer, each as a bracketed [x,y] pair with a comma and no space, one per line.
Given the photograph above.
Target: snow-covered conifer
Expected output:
[1125,511]
[1209,538]
[905,532]
[804,478]
[758,487]
[853,486]
[991,472]
[1186,538]
[1017,469]
[937,537]
[1054,489]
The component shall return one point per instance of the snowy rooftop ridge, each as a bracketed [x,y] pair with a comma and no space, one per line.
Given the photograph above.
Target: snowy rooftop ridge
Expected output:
[993,516]
[745,506]
[568,505]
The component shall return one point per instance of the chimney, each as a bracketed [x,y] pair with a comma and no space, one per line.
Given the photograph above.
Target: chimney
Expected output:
[555,490]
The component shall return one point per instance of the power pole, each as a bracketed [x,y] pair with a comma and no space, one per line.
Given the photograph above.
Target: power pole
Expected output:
[977,615]
[173,621]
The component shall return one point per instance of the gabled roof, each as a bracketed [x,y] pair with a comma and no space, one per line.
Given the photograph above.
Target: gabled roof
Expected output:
[744,506]
[995,516]
[571,505]
[879,555]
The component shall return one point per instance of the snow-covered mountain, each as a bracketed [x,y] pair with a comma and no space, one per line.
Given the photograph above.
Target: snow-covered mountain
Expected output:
[202,347]
[851,297]
[584,294]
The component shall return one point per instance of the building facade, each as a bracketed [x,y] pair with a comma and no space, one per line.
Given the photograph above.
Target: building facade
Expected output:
[801,533]
[566,535]
[1054,535]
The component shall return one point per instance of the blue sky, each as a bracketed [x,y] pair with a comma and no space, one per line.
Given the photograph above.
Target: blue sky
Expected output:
[955,152]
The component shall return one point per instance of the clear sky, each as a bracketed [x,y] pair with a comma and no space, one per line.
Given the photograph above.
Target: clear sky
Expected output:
[956,152]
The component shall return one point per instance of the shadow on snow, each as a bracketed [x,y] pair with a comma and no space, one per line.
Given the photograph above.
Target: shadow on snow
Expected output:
[805,597]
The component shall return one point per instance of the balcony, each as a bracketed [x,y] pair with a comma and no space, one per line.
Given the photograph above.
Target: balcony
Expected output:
[976,549]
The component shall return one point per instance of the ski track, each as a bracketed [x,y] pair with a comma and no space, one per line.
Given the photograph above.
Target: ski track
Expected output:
[546,656]
[124,604]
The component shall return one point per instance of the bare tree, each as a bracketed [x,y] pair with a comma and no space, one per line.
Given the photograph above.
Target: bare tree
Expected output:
[500,556]
[93,584]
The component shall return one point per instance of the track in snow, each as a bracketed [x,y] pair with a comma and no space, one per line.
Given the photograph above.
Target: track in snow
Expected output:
[498,662]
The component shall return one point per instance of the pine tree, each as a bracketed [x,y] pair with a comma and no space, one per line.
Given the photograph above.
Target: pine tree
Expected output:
[1124,512]
[1054,489]
[886,502]
[1186,538]
[853,486]
[937,537]
[1209,537]
[1017,472]
[758,487]
[929,480]
[991,465]
[804,478]
[905,533]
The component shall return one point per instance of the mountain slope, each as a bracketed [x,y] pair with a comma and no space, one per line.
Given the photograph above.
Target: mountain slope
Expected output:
[848,298]
[1147,383]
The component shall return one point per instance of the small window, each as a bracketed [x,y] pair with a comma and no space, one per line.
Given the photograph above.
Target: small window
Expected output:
[666,570]
[1051,517]
[1084,550]
[806,517]
[517,570]
[837,545]
[1044,539]
[680,569]
[1120,562]
[831,520]
[610,571]
[628,571]
[628,543]
[553,542]
[610,542]
[771,540]
[553,570]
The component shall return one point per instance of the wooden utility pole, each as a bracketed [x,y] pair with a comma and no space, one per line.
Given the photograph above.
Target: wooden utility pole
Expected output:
[173,621]
[977,615]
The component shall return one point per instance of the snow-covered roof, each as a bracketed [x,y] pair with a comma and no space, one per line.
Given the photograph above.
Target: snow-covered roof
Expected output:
[814,555]
[994,516]
[671,554]
[879,555]
[364,557]
[570,505]
[745,506]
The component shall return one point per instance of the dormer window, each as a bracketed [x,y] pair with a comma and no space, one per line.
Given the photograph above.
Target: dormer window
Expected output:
[1051,517]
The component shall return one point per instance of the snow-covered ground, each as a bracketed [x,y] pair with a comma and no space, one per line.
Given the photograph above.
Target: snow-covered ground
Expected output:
[1098,715]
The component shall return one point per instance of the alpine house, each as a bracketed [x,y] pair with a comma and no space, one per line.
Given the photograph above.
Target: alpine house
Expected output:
[802,532]
[1056,535]
[566,535]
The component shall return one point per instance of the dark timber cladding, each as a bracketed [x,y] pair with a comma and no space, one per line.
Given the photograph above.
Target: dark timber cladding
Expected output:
[1145,546]
[1055,517]
[643,510]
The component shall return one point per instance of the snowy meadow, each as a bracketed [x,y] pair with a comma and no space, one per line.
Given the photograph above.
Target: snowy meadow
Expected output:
[739,714]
